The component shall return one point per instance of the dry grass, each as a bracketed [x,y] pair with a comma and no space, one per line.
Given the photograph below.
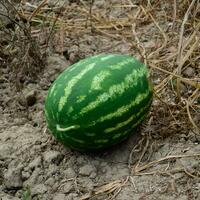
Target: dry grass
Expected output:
[113,188]
[177,47]
[19,49]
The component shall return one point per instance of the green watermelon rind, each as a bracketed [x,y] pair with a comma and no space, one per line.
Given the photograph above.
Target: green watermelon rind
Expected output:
[99,101]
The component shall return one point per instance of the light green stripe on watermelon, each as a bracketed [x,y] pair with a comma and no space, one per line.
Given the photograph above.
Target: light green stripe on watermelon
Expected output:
[71,84]
[122,64]
[98,79]
[101,141]
[46,113]
[58,85]
[52,90]
[90,134]
[77,140]
[107,57]
[57,115]
[52,114]
[73,127]
[134,125]
[80,99]
[120,111]
[65,136]
[130,119]
[117,136]
[116,90]
[71,109]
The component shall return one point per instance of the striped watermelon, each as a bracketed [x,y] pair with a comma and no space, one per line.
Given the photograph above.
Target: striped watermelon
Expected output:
[98,102]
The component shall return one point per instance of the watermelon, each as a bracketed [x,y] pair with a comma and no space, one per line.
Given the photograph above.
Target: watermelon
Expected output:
[98,101]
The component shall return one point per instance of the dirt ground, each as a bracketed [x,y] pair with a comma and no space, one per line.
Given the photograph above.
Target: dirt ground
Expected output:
[161,160]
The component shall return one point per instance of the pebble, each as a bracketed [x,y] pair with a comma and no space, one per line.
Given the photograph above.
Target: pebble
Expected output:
[86,170]
[149,44]
[73,53]
[59,196]
[13,178]
[72,196]
[38,189]
[50,181]
[99,4]
[67,187]
[33,178]
[38,117]
[55,187]
[56,64]
[178,176]
[73,49]
[31,98]
[5,150]
[197,186]
[69,173]
[25,175]
[80,160]
[189,72]
[87,183]
[183,88]
[35,163]
[93,174]
[52,156]
[52,170]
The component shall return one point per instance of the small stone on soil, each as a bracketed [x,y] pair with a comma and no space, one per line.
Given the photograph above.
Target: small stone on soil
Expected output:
[13,178]
[50,181]
[31,98]
[38,189]
[59,196]
[25,175]
[86,183]
[5,150]
[69,173]
[86,170]
[72,196]
[33,178]
[35,163]
[67,187]
[52,156]
[189,72]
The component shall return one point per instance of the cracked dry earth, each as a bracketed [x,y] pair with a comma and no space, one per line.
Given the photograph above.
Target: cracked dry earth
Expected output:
[34,166]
